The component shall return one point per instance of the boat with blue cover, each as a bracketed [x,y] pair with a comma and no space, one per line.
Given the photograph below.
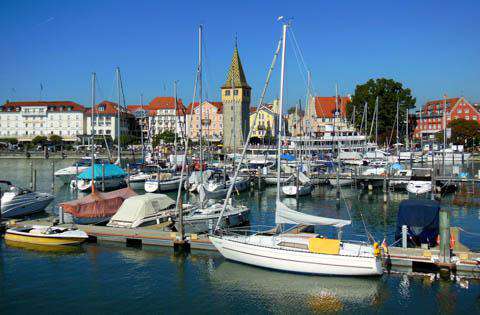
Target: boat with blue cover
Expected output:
[106,177]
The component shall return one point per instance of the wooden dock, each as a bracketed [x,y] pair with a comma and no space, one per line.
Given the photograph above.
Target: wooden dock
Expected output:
[465,262]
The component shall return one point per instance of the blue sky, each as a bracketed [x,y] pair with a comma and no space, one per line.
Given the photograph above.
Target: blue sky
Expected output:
[431,47]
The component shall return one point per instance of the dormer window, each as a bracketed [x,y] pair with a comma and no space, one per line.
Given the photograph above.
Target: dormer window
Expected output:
[101,108]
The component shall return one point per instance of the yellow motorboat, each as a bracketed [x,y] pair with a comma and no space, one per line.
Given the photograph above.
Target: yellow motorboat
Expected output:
[46,235]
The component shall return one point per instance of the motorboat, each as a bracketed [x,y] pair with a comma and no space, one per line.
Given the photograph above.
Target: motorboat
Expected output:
[217,189]
[19,202]
[343,180]
[67,174]
[400,179]
[303,188]
[375,171]
[46,235]
[137,180]
[203,218]
[421,182]
[162,182]
[97,207]
[106,177]
[143,210]
[271,179]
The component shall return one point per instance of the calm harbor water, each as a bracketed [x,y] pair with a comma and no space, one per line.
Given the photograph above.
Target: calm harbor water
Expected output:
[112,278]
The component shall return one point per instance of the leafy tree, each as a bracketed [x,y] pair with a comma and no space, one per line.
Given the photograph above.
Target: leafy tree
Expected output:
[466,132]
[255,140]
[39,140]
[55,139]
[389,92]
[9,140]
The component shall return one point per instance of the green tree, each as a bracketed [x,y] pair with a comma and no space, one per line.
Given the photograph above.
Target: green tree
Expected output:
[466,132]
[39,140]
[55,139]
[389,92]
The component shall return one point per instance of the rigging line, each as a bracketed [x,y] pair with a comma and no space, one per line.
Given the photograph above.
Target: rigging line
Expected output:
[261,105]
[205,64]
[299,50]
[302,71]
[369,235]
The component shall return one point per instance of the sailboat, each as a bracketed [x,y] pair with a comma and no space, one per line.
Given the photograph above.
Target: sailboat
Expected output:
[298,252]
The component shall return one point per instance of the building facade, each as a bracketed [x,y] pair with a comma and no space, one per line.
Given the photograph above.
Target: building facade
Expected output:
[26,120]
[430,117]
[323,112]
[106,120]
[211,122]
[266,122]
[236,95]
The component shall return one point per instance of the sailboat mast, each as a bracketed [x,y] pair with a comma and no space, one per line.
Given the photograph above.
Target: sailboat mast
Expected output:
[118,113]
[280,107]
[141,128]
[398,136]
[200,100]
[93,132]
[176,115]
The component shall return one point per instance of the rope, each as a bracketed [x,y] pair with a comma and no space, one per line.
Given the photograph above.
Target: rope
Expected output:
[472,233]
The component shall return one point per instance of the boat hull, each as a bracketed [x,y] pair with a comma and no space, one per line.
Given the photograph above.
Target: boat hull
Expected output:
[207,223]
[296,261]
[40,240]
[22,206]
[419,187]
[291,191]
[152,186]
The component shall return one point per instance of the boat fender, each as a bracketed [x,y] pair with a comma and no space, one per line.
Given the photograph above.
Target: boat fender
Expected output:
[452,241]
[376,249]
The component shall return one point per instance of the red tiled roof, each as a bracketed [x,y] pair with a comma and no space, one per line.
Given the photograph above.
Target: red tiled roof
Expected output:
[325,105]
[52,105]
[218,105]
[437,105]
[110,108]
[133,108]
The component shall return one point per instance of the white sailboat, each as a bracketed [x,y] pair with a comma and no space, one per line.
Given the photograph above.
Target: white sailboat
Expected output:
[297,252]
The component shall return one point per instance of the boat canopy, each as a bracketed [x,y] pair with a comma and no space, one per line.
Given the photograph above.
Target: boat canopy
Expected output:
[422,220]
[111,170]
[97,204]
[142,206]
[287,157]
[286,215]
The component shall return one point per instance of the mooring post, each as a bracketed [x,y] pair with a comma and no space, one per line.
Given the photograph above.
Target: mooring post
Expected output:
[76,178]
[404,236]
[444,236]
[103,176]
[61,219]
[53,175]
[31,175]
[34,180]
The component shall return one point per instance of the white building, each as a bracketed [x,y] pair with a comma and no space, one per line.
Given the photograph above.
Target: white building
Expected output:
[106,120]
[26,120]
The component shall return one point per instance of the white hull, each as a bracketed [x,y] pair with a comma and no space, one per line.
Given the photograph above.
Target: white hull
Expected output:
[419,187]
[218,191]
[108,184]
[291,190]
[67,174]
[297,261]
[341,182]
[152,186]
[273,180]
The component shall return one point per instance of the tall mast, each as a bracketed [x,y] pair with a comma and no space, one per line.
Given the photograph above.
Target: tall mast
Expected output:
[142,120]
[200,100]
[118,114]
[398,136]
[280,107]
[176,115]
[93,132]
[444,123]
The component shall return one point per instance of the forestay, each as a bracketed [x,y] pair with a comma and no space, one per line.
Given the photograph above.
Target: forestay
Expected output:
[284,214]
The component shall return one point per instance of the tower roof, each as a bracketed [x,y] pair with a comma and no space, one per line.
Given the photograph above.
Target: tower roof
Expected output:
[236,71]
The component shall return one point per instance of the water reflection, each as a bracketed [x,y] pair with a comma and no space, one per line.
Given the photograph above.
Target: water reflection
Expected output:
[318,293]
[59,249]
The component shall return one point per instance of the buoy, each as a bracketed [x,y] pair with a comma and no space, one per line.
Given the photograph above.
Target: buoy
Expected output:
[452,241]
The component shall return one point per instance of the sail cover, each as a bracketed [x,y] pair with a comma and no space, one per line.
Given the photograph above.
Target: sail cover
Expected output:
[286,215]
[303,178]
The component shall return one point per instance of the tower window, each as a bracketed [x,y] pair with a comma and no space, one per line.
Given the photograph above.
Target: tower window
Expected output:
[227,92]
[235,92]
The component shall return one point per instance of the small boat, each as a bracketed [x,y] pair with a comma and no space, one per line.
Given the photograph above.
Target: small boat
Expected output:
[421,181]
[271,179]
[137,180]
[144,210]
[98,207]
[46,235]
[18,202]
[107,177]
[203,219]
[67,174]
[218,189]
[162,182]
[304,187]
[341,181]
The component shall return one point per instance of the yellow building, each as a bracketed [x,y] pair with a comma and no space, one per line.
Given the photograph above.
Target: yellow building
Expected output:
[266,121]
